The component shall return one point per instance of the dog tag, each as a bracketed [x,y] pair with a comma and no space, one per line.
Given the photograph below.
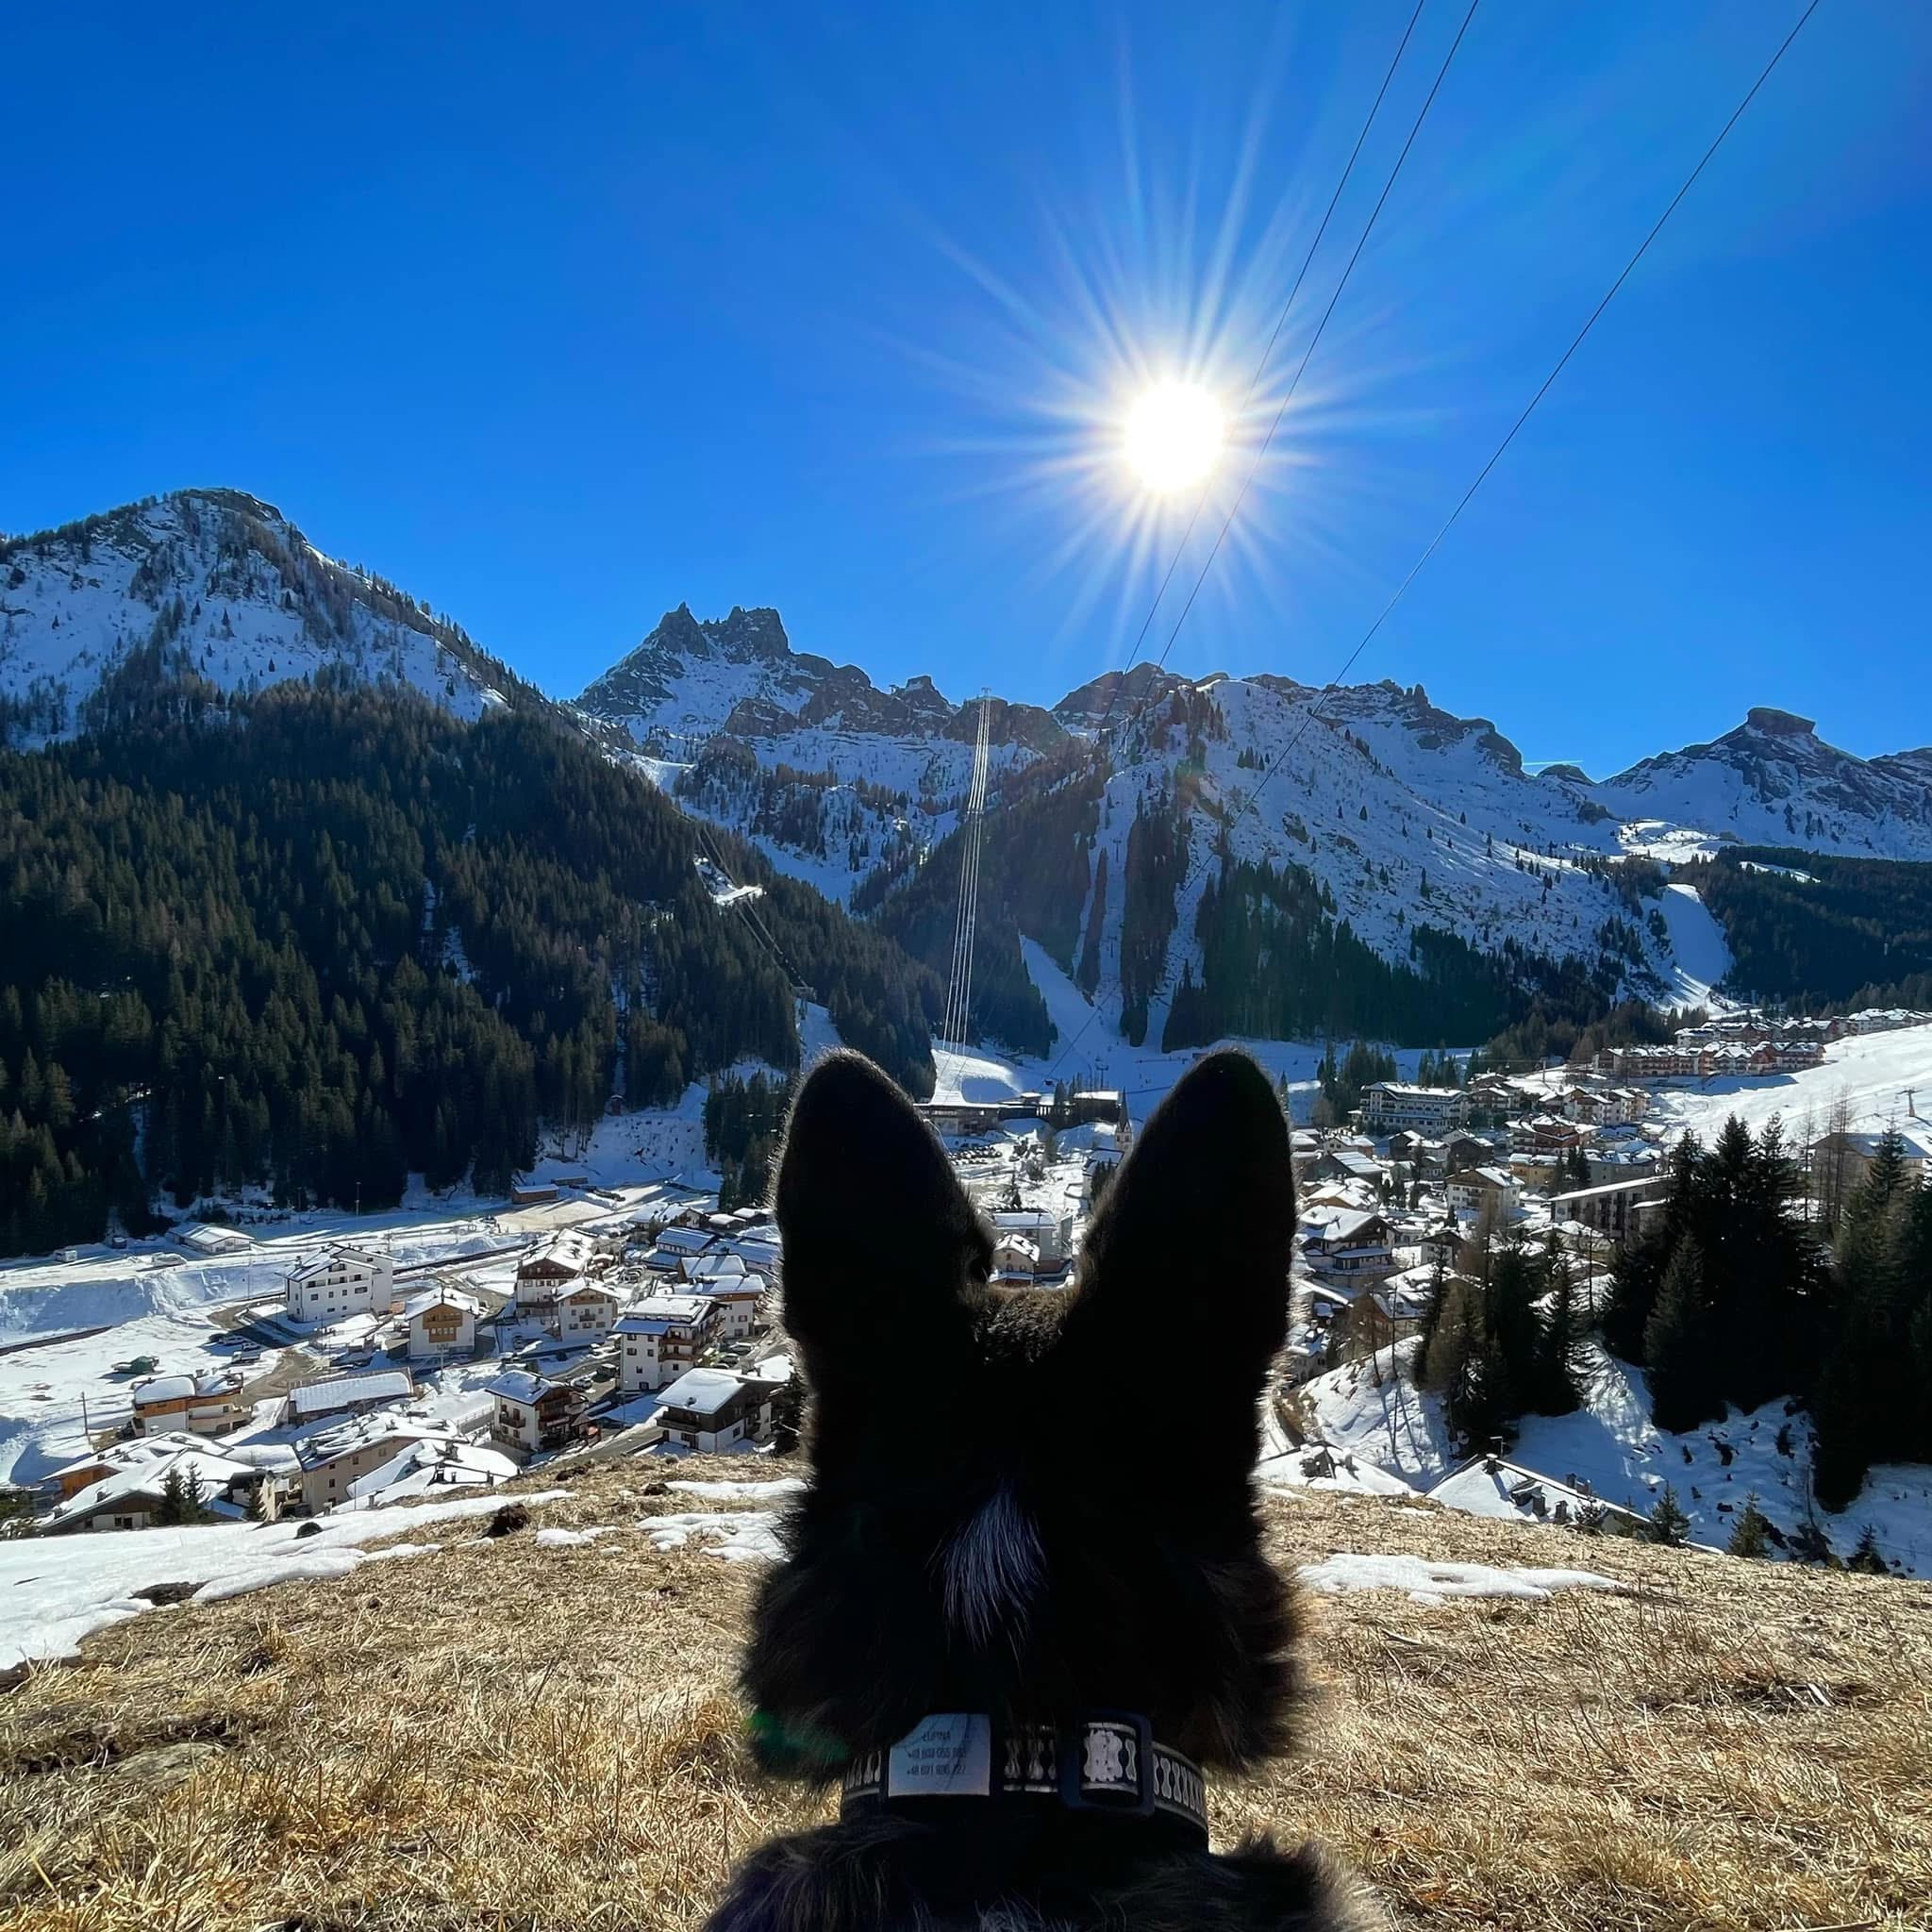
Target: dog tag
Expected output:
[949,1754]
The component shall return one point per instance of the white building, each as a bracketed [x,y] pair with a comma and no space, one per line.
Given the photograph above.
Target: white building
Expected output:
[1049,1235]
[585,1312]
[661,1338]
[738,1299]
[443,1324]
[1389,1105]
[713,1410]
[208,1403]
[344,1281]
[534,1413]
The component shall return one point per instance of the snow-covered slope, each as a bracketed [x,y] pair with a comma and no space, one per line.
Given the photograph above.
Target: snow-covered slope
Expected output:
[1372,1411]
[222,585]
[1773,781]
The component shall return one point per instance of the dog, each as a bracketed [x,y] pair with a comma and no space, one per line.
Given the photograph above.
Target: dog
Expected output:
[1024,1608]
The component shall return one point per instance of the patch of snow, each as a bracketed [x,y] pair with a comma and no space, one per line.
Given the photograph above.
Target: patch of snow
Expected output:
[55,1591]
[747,1535]
[1435,1583]
[785,1486]
[558,1539]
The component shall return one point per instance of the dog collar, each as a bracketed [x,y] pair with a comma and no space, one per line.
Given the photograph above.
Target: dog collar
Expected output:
[1107,1764]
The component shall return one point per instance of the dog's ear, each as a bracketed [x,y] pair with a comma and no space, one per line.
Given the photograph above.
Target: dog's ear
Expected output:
[881,1246]
[1190,1250]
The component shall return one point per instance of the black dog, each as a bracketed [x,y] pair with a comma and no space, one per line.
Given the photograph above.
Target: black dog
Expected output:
[1025,1601]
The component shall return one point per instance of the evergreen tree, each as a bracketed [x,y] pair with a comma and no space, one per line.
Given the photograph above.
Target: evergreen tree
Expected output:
[1675,1342]
[1750,1533]
[1867,1559]
[1668,1523]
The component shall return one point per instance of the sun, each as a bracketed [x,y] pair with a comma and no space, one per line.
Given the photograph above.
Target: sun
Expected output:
[1175,436]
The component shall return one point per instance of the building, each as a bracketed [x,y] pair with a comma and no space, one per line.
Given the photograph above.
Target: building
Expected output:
[712,1410]
[1387,1105]
[443,1323]
[1610,1208]
[313,1402]
[344,1281]
[534,1414]
[205,1404]
[1347,1165]
[1847,1156]
[426,1468]
[737,1300]
[1483,1187]
[1349,1241]
[586,1312]
[134,1494]
[1015,1259]
[1049,1235]
[663,1336]
[331,1461]
[548,1270]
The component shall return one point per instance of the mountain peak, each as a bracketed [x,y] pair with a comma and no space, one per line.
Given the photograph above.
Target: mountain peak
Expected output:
[1776,724]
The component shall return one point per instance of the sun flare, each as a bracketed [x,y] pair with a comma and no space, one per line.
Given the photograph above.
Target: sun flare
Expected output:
[1175,436]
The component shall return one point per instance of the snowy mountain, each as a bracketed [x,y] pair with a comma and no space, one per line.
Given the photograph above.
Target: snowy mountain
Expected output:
[1773,781]
[1406,823]
[219,584]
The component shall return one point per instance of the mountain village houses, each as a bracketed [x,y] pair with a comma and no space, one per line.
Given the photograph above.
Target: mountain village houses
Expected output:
[344,1281]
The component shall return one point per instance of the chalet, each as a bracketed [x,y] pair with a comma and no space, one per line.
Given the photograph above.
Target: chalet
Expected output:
[663,1336]
[1488,1486]
[1346,1164]
[1351,1243]
[143,1453]
[585,1311]
[332,1461]
[315,1401]
[133,1495]
[1015,1259]
[1387,1105]
[344,1281]
[443,1323]
[1610,1207]
[550,1268]
[712,1410]
[534,1414]
[532,1194]
[205,1404]
[1390,1312]
[1047,1233]
[738,1299]
[1461,1151]
[1483,1187]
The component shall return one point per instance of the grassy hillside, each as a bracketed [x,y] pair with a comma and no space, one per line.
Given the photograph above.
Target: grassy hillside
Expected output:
[549,1736]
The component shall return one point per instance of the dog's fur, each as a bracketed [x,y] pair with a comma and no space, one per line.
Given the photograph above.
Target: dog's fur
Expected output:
[1031,1503]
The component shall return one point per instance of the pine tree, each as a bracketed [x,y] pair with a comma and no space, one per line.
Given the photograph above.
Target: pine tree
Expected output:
[173,1508]
[1867,1559]
[1750,1532]
[1674,1343]
[1668,1523]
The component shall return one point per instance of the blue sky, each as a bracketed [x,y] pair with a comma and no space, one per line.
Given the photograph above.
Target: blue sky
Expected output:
[560,316]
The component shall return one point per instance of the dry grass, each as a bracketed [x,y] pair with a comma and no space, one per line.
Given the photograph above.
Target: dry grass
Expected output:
[505,1734]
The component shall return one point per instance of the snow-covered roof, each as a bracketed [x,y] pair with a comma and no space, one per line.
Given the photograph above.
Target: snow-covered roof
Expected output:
[710,1265]
[174,1387]
[359,1432]
[659,1314]
[145,1478]
[344,1391]
[334,1257]
[702,1392]
[433,1463]
[1025,1220]
[440,1298]
[520,1385]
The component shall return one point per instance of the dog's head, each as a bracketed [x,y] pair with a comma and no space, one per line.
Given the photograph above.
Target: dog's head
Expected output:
[1032,1503]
